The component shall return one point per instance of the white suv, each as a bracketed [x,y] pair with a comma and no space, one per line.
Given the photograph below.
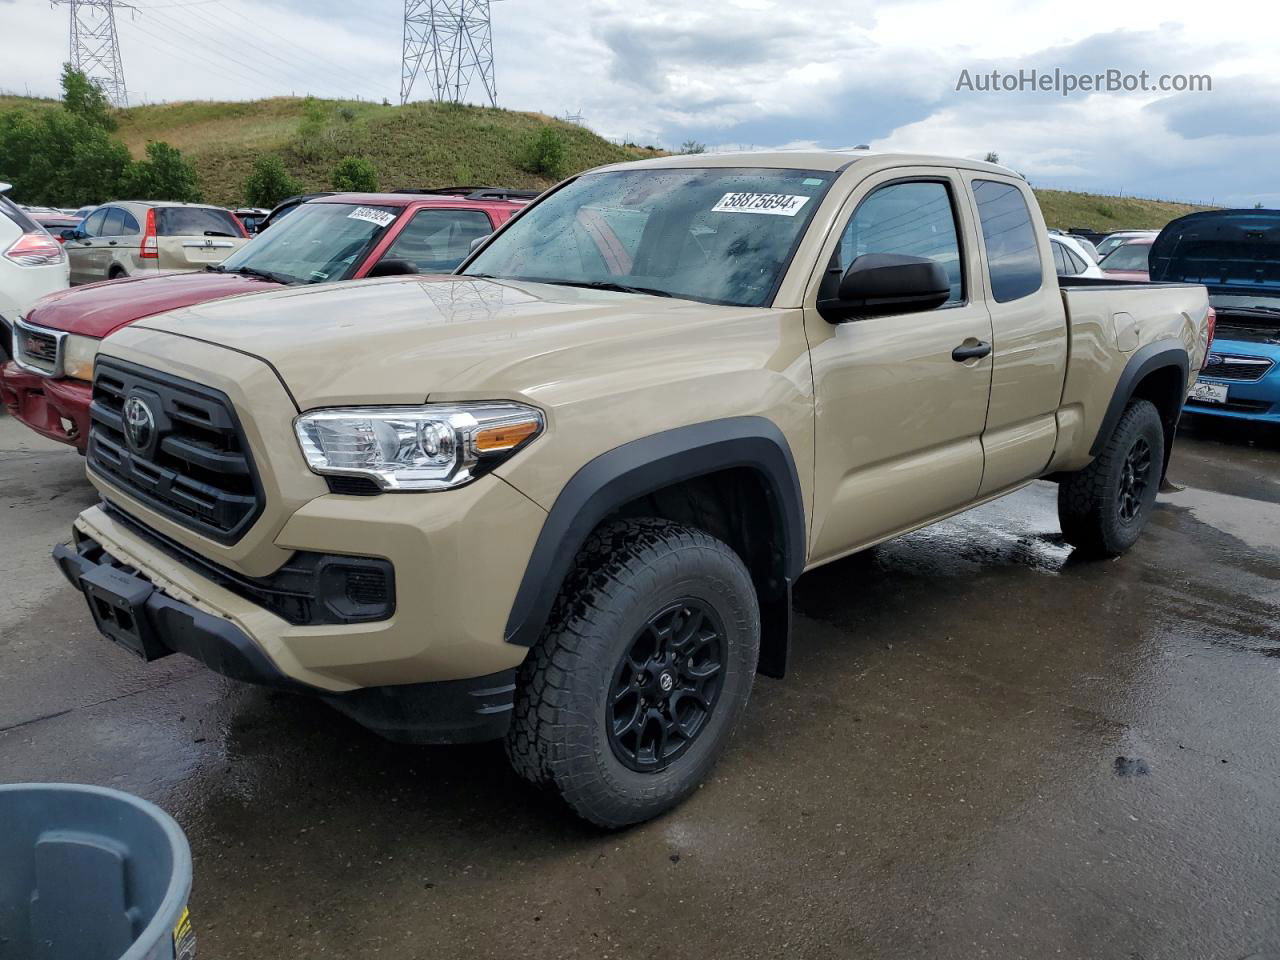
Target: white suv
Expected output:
[32,264]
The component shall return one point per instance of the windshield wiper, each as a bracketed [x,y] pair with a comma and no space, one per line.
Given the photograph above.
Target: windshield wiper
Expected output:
[255,272]
[610,285]
[218,233]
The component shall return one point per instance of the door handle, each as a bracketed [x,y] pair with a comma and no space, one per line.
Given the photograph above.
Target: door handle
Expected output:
[111,243]
[971,351]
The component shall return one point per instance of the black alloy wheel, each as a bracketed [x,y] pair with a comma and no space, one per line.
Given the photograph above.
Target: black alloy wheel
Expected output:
[666,686]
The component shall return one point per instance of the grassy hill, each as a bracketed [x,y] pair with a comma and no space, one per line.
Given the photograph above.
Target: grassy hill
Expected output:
[418,145]
[1063,209]
[434,144]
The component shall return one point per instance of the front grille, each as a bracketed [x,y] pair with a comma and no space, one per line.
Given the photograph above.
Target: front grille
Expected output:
[184,455]
[36,349]
[310,589]
[1236,368]
[1234,406]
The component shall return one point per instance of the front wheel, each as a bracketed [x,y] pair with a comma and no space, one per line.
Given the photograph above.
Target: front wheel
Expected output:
[632,693]
[1104,507]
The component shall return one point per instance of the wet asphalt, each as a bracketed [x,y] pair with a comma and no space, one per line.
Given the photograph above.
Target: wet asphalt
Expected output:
[986,748]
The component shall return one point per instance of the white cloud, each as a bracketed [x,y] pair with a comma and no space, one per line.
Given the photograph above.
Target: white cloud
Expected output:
[761,72]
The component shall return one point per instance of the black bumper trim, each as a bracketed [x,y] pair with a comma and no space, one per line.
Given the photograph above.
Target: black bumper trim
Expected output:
[452,711]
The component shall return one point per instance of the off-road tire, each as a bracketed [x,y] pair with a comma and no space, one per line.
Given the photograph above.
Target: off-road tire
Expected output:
[1091,502]
[625,573]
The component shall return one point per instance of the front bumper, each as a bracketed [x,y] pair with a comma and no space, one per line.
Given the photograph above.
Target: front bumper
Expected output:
[54,408]
[129,609]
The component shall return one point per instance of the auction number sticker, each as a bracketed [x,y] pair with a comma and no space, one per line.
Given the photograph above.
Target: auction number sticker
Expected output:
[381,217]
[774,204]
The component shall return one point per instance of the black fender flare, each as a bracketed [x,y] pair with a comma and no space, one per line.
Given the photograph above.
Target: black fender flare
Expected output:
[644,466]
[1145,361]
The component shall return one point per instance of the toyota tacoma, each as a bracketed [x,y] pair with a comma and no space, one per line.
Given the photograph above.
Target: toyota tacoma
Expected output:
[561,497]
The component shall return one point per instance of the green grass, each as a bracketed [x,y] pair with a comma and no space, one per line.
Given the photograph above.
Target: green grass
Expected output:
[1064,209]
[418,145]
[436,145]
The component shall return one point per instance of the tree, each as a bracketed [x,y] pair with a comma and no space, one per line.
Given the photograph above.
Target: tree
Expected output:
[269,183]
[354,174]
[992,157]
[544,153]
[85,99]
[692,146]
[57,158]
[164,175]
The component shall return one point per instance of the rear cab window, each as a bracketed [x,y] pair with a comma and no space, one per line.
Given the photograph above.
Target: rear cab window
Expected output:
[1013,249]
[196,222]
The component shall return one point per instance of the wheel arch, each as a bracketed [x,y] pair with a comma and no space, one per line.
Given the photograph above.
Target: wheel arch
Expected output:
[708,474]
[1157,372]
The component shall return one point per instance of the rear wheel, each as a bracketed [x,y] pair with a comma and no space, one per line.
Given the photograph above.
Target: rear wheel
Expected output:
[1104,507]
[632,693]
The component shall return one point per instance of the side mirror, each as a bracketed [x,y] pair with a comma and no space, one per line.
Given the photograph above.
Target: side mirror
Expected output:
[72,233]
[392,268]
[475,244]
[879,284]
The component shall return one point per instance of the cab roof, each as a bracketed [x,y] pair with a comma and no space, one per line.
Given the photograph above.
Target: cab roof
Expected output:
[823,160]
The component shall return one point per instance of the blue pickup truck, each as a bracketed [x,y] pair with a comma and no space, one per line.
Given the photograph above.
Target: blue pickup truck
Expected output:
[1236,254]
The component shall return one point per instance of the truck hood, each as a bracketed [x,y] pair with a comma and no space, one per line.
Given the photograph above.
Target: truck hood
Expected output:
[1229,251]
[400,339]
[98,309]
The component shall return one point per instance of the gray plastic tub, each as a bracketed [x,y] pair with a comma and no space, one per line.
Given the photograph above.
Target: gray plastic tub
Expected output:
[88,873]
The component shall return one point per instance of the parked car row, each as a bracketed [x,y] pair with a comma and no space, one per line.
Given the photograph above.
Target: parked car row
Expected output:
[312,239]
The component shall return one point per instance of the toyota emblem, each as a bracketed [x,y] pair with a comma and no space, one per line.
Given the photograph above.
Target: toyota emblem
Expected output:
[139,424]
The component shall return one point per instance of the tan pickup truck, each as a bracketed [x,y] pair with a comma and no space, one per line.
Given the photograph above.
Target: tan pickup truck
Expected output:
[562,496]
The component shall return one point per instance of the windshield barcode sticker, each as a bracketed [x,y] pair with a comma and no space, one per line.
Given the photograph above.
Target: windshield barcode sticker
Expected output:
[774,204]
[372,215]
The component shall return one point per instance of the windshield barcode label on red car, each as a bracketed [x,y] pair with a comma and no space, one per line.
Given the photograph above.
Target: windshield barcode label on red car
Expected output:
[776,204]
[372,215]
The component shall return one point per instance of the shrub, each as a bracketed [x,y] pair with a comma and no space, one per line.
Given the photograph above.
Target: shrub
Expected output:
[354,174]
[164,175]
[693,146]
[269,183]
[544,153]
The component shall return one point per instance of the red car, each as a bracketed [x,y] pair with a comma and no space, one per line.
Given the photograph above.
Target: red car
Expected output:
[345,236]
[1129,260]
[55,223]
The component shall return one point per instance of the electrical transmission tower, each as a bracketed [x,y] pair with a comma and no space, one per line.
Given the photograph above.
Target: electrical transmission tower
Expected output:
[95,48]
[450,42]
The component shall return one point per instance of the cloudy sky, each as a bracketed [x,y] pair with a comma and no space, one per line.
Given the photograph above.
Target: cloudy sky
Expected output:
[764,73]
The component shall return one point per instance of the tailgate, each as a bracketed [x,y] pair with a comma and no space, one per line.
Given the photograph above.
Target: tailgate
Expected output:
[178,253]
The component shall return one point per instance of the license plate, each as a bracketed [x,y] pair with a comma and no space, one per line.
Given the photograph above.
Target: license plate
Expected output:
[1209,392]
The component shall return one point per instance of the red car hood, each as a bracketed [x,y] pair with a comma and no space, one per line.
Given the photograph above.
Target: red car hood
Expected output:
[98,309]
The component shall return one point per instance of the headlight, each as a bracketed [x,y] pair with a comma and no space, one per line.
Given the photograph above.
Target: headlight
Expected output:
[432,447]
[78,354]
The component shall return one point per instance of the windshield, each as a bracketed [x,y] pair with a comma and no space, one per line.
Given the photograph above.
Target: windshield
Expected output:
[1127,256]
[719,235]
[319,242]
